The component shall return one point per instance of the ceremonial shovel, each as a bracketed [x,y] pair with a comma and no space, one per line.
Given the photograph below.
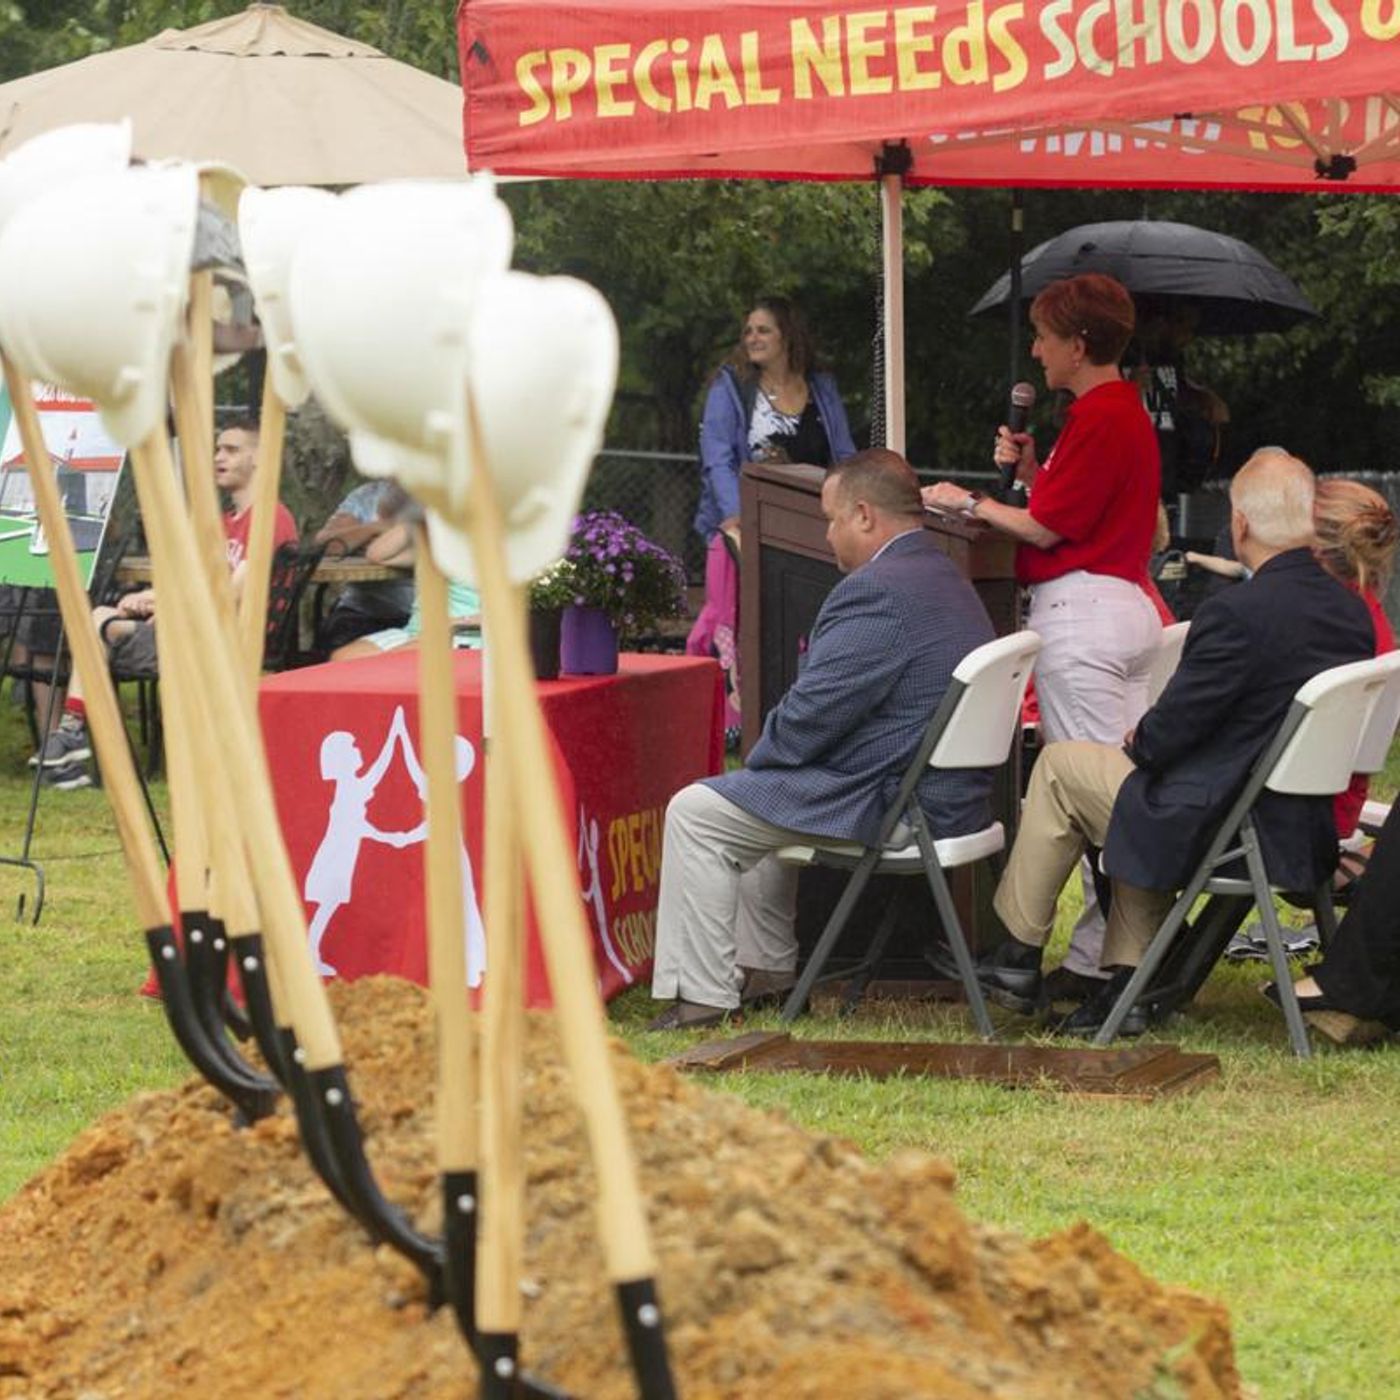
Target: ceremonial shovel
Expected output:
[144,211]
[80,154]
[408,252]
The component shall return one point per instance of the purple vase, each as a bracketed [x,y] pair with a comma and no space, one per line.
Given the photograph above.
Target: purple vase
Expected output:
[588,643]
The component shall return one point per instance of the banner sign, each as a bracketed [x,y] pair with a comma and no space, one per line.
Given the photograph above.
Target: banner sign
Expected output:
[1288,90]
[87,463]
[342,748]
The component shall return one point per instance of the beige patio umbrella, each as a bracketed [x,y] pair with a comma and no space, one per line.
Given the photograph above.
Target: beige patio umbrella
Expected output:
[284,101]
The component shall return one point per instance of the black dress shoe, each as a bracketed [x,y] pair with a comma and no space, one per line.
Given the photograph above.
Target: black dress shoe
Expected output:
[1066,985]
[1008,973]
[1089,1018]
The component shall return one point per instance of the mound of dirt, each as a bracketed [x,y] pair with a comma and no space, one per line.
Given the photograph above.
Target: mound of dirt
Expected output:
[169,1252]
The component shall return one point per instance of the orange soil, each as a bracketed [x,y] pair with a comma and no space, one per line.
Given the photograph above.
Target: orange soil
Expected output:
[168,1252]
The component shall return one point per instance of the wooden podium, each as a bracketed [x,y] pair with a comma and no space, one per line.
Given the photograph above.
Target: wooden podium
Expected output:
[786,571]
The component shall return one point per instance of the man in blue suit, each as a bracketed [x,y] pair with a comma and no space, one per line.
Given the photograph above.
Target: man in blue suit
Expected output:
[1154,804]
[831,754]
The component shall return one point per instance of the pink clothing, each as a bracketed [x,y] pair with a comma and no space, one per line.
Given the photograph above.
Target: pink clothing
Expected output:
[1346,806]
[716,630]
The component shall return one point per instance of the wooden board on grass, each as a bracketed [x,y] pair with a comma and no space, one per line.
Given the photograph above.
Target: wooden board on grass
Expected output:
[1140,1072]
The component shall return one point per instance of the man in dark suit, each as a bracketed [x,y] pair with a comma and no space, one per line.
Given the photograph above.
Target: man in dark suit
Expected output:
[1154,804]
[831,754]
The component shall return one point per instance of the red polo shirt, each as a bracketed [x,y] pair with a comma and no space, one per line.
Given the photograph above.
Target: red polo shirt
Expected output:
[1097,490]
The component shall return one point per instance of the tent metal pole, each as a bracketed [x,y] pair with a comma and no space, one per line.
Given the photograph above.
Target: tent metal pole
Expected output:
[1018,243]
[893,165]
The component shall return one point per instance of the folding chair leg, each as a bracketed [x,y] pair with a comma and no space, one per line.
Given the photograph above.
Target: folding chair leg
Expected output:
[1325,912]
[796,1003]
[1197,950]
[1151,961]
[952,927]
[1278,959]
[862,976]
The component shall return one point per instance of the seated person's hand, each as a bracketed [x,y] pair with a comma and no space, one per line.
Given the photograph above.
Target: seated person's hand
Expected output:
[142,603]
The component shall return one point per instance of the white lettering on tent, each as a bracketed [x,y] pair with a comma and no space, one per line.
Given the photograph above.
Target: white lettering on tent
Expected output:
[1183,49]
[1233,26]
[1336,27]
[1146,31]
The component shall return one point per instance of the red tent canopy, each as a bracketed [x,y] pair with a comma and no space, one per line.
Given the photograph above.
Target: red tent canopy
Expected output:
[1257,94]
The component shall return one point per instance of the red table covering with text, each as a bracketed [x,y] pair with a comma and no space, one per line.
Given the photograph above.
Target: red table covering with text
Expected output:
[348,794]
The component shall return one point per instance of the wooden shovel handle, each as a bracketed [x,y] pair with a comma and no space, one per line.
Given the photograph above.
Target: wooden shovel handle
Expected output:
[267,486]
[120,782]
[447,963]
[573,977]
[501,1233]
[252,797]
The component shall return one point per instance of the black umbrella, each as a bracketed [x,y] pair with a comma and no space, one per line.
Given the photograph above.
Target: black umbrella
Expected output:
[1237,289]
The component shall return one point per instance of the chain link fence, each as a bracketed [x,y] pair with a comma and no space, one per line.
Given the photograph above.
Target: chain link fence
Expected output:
[658,493]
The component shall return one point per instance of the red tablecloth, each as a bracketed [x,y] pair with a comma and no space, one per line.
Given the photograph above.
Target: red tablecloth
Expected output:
[623,745]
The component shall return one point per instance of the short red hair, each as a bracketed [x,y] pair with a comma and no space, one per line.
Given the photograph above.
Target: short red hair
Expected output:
[1096,308]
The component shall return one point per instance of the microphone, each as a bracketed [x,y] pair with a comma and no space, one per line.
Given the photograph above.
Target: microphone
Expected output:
[1022,401]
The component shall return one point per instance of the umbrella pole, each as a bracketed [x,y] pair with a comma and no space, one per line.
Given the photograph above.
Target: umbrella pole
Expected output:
[573,979]
[120,781]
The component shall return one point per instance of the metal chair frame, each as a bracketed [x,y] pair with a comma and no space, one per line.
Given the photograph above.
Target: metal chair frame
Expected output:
[892,854]
[1237,837]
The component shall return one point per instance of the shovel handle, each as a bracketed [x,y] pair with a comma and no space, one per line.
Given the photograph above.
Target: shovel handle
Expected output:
[119,778]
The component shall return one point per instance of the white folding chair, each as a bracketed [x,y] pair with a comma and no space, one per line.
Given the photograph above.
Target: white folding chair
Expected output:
[1165,661]
[1373,751]
[1314,753]
[973,727]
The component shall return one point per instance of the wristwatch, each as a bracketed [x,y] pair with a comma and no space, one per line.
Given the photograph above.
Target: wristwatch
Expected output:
[972,499]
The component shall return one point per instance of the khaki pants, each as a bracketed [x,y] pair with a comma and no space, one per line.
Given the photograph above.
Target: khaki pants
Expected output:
[725,903]
[1067,808]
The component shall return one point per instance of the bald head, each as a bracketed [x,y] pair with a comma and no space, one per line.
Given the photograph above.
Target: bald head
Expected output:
[1271,500]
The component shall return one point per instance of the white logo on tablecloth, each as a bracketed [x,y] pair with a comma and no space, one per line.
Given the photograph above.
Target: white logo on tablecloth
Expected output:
[593,891]
[332,874]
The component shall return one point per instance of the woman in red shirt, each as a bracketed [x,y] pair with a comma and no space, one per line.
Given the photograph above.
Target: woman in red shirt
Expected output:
[1085,536]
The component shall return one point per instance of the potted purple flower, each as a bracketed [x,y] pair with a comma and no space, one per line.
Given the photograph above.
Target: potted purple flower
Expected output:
[623,585]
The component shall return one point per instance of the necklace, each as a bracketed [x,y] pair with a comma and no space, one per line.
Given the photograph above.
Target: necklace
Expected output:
[790,390]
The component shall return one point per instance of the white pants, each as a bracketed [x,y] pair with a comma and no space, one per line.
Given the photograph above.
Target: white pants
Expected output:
[1098,637]
[725,903]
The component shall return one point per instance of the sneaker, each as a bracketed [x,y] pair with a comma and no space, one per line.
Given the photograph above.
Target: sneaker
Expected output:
[1242,947]
[68,778]
[1249,944]
[67,744]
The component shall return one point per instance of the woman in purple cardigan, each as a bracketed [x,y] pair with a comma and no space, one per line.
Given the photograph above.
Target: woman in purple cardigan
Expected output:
[765,403]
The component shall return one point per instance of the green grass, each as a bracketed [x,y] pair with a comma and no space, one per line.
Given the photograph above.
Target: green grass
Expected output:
[1273,1189]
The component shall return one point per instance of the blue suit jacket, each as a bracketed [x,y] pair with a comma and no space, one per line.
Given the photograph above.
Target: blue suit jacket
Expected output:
[1249,649]
[879,659]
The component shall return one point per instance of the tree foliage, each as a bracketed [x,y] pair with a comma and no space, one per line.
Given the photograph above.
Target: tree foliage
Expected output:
[682,261]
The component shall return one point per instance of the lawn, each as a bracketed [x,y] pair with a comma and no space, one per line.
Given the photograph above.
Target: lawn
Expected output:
[1273,1189]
